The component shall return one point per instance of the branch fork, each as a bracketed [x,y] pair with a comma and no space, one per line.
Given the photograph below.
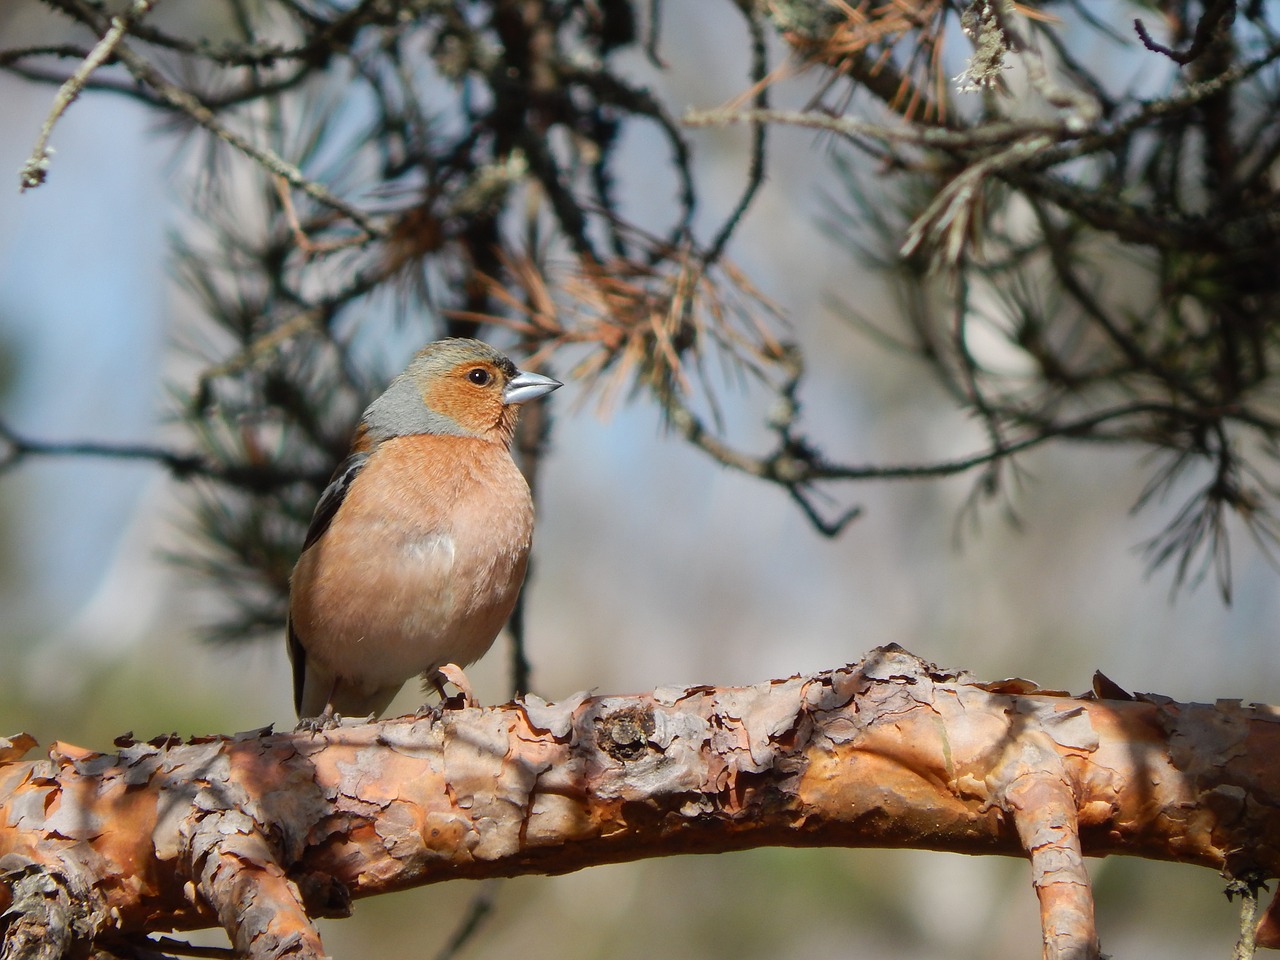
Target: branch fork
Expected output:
[259,833]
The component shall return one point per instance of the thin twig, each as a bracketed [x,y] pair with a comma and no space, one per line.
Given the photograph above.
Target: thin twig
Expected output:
[14,448]
[759,131]
[36,169]
[477,912]
[792,471]
[989,134]
[948,220]
[1217,16]
[186,102]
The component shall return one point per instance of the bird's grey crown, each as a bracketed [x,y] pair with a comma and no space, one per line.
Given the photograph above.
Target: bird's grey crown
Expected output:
[444,354]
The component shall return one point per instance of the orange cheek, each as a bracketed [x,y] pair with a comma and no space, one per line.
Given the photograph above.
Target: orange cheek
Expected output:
[476,411]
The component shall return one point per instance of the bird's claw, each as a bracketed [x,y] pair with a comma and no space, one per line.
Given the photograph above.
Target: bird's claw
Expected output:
[314,725]
[328,721]
[430,711]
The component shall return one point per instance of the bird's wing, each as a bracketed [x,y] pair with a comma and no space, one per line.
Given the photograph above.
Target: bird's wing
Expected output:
[333,495]
[326,509]
[298,661]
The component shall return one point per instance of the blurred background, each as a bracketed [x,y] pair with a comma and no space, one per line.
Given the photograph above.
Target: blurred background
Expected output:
[653,564]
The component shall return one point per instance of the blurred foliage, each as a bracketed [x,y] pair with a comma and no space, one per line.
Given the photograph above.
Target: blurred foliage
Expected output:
[1086,256]
[1076,203]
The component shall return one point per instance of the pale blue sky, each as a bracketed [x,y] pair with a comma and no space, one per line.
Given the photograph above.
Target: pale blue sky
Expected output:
[82,304]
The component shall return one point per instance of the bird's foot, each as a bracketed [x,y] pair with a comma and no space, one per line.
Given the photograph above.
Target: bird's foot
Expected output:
[314,725]
[430,711]
[327,720]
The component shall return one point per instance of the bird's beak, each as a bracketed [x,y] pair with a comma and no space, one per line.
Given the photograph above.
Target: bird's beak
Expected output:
[528,386]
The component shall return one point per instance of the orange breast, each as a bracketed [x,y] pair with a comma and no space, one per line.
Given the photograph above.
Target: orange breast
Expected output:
[421,564]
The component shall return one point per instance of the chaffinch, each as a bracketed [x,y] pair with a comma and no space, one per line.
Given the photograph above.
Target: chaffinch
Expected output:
[418,546]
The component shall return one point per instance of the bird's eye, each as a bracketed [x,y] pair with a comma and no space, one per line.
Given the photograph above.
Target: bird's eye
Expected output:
[479,376]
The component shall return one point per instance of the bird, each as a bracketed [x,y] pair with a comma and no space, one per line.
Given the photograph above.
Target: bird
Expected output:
[418,546]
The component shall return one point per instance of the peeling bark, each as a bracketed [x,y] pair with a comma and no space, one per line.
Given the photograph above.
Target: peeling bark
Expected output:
[260,832]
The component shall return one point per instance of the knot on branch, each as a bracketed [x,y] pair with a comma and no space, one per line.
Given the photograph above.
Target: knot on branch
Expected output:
[625,734]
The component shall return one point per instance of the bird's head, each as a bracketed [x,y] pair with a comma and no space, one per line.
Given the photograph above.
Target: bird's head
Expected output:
[456,387]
